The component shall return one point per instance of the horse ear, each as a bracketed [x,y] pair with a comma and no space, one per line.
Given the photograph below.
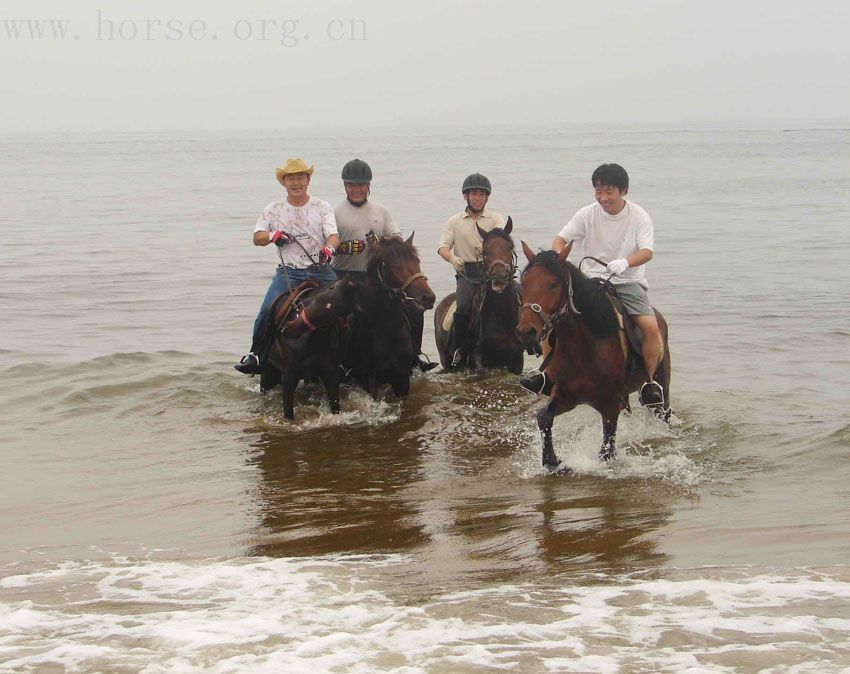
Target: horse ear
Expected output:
[528,252]
[409,239]
[481,232]
[509,226]
[565,253]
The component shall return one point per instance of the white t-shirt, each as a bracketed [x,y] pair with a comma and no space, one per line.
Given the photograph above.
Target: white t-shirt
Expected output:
[310,224]
[355,222]
[609,237]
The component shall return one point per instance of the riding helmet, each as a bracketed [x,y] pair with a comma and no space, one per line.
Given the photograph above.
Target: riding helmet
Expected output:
[476,181]
[357,172]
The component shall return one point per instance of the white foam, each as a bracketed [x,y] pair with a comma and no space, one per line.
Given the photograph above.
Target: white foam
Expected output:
[310,615]
[312,411]
[646,448]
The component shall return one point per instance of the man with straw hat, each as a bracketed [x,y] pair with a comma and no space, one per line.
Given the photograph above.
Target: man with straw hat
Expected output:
[304,230]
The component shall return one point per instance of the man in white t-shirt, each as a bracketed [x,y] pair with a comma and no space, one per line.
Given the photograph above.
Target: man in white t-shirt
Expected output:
[304,230]
[620,233]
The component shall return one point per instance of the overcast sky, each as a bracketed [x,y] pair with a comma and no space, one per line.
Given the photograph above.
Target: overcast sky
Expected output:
[257,64]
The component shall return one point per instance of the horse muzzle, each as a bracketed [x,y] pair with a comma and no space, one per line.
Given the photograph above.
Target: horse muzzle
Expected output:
[530,340]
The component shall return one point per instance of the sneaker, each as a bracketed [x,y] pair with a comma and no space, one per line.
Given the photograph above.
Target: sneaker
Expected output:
[249,364]
[426,365]
[534,381]
[457,358]
[651,393]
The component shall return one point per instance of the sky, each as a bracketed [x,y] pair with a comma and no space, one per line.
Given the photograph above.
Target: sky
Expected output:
[328,63]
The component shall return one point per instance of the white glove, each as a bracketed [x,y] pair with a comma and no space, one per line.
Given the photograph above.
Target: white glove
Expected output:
[617,267]
[457,263]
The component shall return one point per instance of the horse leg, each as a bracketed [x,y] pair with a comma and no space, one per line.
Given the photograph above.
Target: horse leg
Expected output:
[269,378]
[662,376]
[289,382]
[545,419]
[609,436]
[330,379]
[401,386]
[516,365]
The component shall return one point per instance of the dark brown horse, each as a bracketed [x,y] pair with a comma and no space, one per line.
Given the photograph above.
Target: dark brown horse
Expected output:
[394,294]
[496,304]
[308,340]
[586,354]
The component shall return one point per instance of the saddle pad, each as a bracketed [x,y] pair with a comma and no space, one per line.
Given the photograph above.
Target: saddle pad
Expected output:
[283,303]
[449,316]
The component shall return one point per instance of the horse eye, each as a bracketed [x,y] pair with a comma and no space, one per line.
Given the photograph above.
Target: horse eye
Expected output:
[553,285]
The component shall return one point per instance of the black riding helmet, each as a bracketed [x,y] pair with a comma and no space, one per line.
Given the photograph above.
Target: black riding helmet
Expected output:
[357,172]
[476,181]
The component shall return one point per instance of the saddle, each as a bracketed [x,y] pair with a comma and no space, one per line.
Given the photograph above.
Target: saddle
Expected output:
[631,338]
[286,307]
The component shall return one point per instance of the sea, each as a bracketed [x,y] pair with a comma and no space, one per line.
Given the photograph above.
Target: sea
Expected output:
[157,513]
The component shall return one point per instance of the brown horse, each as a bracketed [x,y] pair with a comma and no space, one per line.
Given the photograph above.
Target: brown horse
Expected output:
[586,356]
[386,328]
[495,312]
[308,340]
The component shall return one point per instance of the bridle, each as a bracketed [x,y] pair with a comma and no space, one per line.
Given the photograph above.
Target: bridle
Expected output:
[399,293]
[511,268]
[549,321]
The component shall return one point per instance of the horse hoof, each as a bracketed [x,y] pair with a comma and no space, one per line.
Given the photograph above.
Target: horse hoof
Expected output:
[559,470]
[606,454]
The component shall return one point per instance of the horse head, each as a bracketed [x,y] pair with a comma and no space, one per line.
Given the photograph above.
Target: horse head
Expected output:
[322,309]
[395,263]
[499,256]
[546,284]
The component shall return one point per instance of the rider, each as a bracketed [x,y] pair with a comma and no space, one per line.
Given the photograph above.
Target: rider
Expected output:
[620,232]
[358,218]
[460,246]
[304,230]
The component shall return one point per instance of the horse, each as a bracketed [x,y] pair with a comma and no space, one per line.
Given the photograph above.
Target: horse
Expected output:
[308,327]
[495,311]
[392,296]
[587,356]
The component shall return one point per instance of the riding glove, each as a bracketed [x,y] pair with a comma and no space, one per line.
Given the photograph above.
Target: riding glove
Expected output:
[457,263]
[617,266]
[280,238]
[352,247]
[326,254]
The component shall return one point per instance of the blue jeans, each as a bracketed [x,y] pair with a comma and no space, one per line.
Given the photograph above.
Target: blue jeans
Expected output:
[286,280]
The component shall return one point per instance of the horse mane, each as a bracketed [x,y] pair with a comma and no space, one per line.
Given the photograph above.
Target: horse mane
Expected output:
[390,248]
[588,295]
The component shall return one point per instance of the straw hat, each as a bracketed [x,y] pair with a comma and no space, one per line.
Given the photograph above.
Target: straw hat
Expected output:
[292,165]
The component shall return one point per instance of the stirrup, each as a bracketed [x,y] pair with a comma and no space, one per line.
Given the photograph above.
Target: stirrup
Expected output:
[651,393]
[457,358]
[534,381]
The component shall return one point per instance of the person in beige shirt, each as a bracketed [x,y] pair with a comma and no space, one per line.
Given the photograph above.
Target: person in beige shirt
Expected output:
[460,246]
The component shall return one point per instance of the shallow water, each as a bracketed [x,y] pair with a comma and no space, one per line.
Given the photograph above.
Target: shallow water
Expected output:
[159,515]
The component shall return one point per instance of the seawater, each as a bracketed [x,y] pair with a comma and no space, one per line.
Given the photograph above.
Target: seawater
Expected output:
[159,515]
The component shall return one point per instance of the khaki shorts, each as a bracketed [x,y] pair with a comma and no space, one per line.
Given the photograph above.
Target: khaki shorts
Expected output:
[635,299]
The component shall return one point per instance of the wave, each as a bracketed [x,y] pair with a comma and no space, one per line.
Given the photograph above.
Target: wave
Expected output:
[331,614]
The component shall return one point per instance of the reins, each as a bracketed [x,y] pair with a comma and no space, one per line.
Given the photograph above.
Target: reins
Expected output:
[399,293]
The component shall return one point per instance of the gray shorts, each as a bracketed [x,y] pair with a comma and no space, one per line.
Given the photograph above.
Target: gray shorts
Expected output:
[635,299]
